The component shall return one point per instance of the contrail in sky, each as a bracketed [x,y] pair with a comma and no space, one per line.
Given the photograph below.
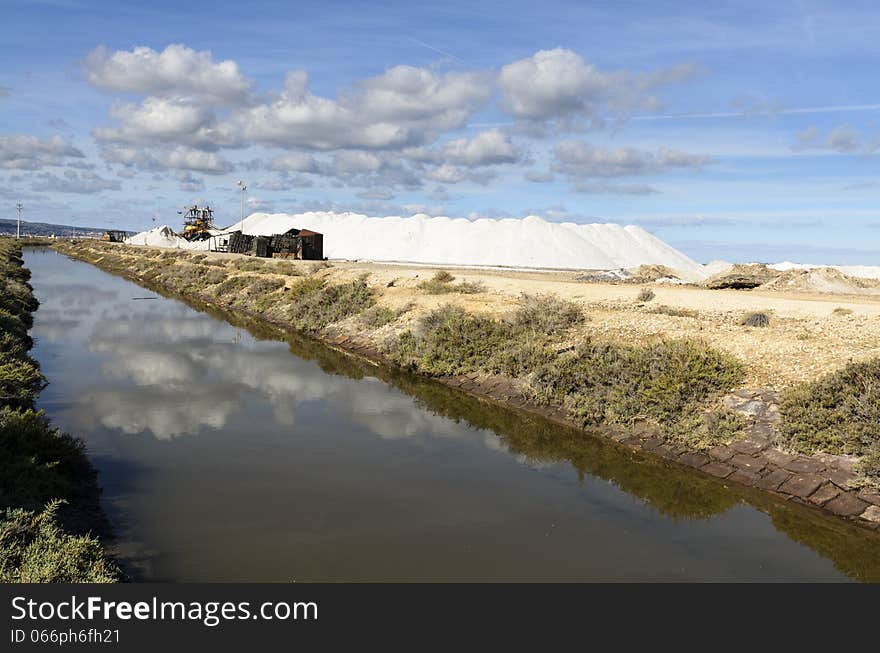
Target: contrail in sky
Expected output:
[766,112]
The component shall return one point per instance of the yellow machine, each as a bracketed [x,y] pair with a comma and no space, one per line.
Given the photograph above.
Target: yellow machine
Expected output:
[197,222]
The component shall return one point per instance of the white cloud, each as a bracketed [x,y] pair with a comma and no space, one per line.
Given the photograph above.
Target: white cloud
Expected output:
[581,160]
[24,152]
[538,177]
[189,183]
[486,148]
[604,188]
[557,84]
[259,204]
[405,106]
[842,139]
[447,173]
[294,162]
[176,71]
[164,120]
[185,158]
[73,182]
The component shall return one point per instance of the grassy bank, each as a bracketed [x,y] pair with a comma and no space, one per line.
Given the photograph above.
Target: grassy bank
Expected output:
[838,413]
[48,491]
[544,345]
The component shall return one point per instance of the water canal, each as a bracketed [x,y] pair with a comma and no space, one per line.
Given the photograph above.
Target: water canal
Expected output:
[229,452]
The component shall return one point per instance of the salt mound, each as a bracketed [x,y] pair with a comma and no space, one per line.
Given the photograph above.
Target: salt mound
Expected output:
[859,271]
[164,236]
[714,267]
[531,242]
[822,280]
[741,275]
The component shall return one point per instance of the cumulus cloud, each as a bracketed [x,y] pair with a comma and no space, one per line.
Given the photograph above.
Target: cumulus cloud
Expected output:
[539,176]
[581,160]
[392,131]
[259,204]
[486,148]
[23,152]
[73,182]
[175,71]
[178,158]
[405,106]
[447,173]
[284,182]
[843,139]
[604,188]
[165,120]
[185,158]
[189,183]
[559,84]
[295,162]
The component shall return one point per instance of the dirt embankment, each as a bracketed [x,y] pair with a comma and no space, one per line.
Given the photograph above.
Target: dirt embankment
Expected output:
[810,333]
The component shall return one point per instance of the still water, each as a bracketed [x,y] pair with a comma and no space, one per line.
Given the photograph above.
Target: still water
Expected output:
[226,452]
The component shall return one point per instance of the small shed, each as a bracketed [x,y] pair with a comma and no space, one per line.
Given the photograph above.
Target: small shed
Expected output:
[115,236]
[294,243]
[298,244]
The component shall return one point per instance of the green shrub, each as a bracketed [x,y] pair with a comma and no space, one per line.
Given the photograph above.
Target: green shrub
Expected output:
[545,314]
[313,304]
[379,316]
[318,266]
[214,275]
[40,463]
[673,311]
[13,324]
[666,382]
[837,414]
[645,295]
[234,285]
[443,276]
[33,549]
[869,465]
[757,319]
[842,311]
[701,430]
[288,269]
[248,264]
[20,379]
[605,382]
[441,284]
[450,340]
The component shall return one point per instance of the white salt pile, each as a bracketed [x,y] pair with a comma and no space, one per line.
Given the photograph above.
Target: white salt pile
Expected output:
[164,236]
[531,242]
[861,271]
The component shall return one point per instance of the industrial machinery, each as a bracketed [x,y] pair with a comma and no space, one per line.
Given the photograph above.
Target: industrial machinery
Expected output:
[197,222]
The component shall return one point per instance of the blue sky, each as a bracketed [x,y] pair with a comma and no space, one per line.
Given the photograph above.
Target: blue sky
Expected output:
[732,130]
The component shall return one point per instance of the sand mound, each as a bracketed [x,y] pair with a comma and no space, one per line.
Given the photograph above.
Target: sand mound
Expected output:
[822,280]
[651,273]
[742,275]
[531,242]
[164,236]
[714,267]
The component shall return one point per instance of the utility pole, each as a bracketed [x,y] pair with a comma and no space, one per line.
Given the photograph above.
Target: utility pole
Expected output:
[18,227]
[243,188]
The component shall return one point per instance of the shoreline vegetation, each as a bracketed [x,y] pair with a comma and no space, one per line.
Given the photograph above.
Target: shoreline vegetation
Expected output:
[673,391]
[49,498]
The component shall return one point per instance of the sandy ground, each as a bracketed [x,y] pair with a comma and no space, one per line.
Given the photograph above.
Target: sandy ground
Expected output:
[805,338]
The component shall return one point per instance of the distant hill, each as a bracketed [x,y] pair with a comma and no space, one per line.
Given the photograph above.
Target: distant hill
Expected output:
[48,229]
